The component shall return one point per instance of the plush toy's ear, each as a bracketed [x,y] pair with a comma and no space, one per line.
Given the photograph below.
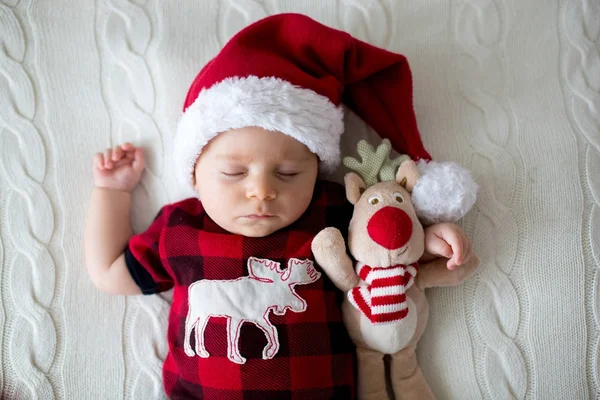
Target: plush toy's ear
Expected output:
[355,187]
[408,175]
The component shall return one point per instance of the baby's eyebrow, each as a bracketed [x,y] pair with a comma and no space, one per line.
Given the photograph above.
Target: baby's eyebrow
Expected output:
[232,157]
[242,158]
[295,157]
[297,160]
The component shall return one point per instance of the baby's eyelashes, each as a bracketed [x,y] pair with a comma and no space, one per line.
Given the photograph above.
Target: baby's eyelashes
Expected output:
[280,174]
[287,175]
[233,174]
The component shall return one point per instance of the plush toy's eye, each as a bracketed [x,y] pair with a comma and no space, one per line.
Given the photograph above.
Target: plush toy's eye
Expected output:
[398,197]
[374,200]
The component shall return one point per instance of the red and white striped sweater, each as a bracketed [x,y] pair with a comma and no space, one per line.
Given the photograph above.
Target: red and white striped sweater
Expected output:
[383,299]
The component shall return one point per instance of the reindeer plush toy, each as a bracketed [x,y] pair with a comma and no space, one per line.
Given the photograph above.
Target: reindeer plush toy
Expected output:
[385,310]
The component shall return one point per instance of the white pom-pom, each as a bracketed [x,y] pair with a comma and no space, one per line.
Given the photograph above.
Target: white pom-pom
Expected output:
[445,192]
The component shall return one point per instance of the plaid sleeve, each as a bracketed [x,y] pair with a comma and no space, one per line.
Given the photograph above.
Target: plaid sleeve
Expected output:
[339,209]
[143,258]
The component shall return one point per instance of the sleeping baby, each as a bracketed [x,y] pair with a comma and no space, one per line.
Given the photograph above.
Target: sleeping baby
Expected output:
[253,315]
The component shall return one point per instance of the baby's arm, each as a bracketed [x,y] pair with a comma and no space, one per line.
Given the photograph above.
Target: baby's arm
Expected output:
[108,226]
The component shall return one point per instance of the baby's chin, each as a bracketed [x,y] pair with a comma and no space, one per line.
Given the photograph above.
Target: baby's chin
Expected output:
[256,233]
[256,229]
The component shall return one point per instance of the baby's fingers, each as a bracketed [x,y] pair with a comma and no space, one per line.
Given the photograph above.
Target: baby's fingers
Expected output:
[438,247]
[99,160]
[108,164]
[138,160]
[117,153]
[459,250]
[128,147]
[468,251]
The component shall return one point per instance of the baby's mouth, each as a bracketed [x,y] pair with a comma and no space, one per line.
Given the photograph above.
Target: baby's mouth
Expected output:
[259,216]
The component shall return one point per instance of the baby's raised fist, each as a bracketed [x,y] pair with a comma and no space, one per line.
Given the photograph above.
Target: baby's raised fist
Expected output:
[119,168]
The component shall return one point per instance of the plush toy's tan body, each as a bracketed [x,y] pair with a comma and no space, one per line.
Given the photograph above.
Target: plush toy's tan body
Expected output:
[397,338]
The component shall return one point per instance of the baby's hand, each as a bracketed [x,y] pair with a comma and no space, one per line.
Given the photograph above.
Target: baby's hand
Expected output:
[450,241]
[119,168]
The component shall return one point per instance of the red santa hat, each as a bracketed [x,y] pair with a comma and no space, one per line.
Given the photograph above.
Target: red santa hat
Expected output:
[291,74]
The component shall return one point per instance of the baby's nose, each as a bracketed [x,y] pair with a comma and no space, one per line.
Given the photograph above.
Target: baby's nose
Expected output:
[262,188]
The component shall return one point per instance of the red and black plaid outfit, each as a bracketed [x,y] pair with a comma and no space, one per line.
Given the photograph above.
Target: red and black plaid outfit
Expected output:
[315,359]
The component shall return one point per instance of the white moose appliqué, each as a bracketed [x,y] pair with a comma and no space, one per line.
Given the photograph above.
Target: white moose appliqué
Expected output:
[247,299]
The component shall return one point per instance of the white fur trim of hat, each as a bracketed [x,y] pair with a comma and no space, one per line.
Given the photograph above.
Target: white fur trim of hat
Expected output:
[270,103]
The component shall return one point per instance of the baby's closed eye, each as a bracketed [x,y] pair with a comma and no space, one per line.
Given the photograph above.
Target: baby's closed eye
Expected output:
[288,174]
[233,173]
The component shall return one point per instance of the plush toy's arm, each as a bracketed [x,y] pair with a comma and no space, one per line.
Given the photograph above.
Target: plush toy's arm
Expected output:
[436,273]
[329,250]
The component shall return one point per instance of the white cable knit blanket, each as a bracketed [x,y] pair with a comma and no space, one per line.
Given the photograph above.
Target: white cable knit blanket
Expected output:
[508,88]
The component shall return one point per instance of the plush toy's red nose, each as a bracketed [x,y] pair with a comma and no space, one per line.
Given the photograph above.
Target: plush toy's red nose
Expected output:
[390,227]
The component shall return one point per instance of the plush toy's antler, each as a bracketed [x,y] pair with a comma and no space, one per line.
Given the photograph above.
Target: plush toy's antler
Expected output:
[375,162]
[389,167]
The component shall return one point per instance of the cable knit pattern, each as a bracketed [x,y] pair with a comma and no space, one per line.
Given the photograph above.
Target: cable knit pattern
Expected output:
[28,270]
[480,29]
[124,32]
[3,360]
[144,331]
[507,88]
[234,15]
[358,18]
[580,64]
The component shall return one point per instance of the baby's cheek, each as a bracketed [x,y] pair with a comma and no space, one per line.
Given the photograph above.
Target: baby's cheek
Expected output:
[301,198]
[215,193]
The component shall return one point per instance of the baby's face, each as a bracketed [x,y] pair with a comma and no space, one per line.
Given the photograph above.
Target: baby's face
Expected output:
[253,182]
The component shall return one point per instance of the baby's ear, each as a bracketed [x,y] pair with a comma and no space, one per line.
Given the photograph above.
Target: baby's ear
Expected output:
[194,175]
[194,182]
[355,187]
